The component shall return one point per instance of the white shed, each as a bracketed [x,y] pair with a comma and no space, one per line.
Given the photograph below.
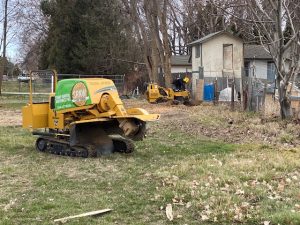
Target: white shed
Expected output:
[217,56]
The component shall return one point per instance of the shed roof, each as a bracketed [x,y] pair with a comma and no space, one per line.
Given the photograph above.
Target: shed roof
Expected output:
[210,36]
[256,52]
[180,60]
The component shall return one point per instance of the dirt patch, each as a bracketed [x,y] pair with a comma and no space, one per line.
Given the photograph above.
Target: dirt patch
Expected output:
[10,117]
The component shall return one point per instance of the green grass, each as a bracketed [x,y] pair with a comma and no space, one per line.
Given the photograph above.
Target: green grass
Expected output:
[203,179]
[15,86]
[17,101]
[8,101]
[13,101]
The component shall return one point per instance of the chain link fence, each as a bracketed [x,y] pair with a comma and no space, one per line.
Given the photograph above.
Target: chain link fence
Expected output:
[42,82]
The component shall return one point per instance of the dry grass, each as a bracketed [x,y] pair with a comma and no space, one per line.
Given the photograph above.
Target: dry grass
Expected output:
[213,165]
[219,123]
[272,107]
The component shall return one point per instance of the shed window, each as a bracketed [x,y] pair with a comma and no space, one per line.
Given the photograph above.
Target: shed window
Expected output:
[198,50]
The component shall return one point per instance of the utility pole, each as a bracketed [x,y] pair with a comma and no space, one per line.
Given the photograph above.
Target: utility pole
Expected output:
[3,64]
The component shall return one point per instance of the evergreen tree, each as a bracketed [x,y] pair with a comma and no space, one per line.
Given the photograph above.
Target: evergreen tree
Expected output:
[86,36]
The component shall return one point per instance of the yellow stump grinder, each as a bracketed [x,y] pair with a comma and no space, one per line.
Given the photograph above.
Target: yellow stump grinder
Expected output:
[85,118]
[177,94]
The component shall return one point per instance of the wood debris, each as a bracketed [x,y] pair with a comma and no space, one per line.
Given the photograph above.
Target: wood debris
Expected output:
[93,213]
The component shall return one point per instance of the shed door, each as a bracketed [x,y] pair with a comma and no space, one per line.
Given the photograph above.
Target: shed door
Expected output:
[228,56]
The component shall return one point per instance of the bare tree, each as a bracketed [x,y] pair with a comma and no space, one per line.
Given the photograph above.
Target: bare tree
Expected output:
[178,28]
[156,15]
[25,27]
[151,21]
[145,38]
[32,28]
[202,17]
[3,64]
[276,23]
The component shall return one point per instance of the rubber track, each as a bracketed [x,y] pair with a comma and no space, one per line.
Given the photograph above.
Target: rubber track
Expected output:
[62,147]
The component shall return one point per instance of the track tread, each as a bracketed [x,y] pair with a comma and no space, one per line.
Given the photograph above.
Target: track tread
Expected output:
[62,147]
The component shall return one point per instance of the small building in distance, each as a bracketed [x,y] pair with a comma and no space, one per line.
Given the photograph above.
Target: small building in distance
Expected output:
[180,64]
[259,63]
[217,56]
[180,67]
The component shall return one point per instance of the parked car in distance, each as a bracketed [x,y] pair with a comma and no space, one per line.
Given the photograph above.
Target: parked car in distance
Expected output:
[23,77]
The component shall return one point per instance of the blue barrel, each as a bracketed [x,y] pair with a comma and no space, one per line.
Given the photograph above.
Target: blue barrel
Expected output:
[209,92]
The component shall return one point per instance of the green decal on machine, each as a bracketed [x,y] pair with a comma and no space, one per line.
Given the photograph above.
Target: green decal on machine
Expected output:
[71,93]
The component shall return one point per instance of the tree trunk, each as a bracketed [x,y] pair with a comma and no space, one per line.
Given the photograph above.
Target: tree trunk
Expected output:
[2,64]
[285,104]
[167,71]
[166,45]
[3,61]
[155,61]
[141,31]
[147,60]
[151,11]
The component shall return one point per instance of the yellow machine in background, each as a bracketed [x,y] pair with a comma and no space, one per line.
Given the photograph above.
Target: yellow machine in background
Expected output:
[178,94]
[84,117]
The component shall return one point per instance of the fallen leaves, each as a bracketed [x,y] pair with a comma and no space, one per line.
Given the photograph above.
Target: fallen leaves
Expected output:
[204,217]
[188,205]
[205,213]
[11,203]
[231,187]
[170,181]
[240,192]
[169,212]
[281,186]
[178,200]
[215,199]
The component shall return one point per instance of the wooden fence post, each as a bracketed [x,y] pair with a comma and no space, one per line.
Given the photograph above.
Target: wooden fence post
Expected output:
[232,95]
[216,97]
[250,92]
[264,98]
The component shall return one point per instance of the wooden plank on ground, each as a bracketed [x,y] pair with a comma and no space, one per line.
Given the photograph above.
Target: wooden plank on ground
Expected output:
[93,213]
